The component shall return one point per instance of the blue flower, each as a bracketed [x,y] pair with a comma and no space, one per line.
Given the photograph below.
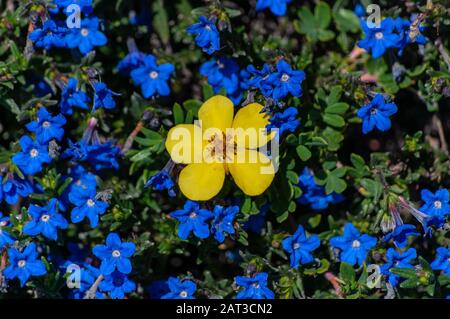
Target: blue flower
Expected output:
[223,73]
[428,222]
[47,127]
[103,97]
[435,204]
[5,237]
[88,276]
[359,10]
[354,246]
[378,39]
[72,97]
[180,289]
[254,287]
[256,222]
[157,289]
[397,260]
[299,246]
[403,27]
[192,219]
[32,157]
[153,78]
[278,7]
[130,62]
[46,221]
[285,121]
[259,79]
[85,5]
[376,114]
[24,264]
[87,205]
[81,180]
[162,181]
[78,151]
[313,194]
[223,221]
[285,80]
[208,37]
[103,156]
[50,35]
[400,235]
[117,284]
[115,255]
[14,188]
[442,261]
[87,37]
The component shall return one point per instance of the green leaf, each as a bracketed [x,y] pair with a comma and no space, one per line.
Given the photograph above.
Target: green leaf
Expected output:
[334,120]
[314,221]
[160,20]
[337,108]
[193,106]
[357,161]
[405,273]
[303,152]
[347,273]
[322,14]
[326,35]
[346,21]
[334,183]
[178,114]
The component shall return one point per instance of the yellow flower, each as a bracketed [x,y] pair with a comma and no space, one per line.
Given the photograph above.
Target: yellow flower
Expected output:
[219,144]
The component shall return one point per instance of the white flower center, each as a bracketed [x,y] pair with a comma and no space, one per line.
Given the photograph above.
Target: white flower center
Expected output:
[285,77]
[373,111]
[296,246]
[192,215]
[21,263]
[208,28]
[46,124]
[116,253]
[34,152]
[379,35]
[3,223]
[45,218]
[90,202]
[153,75]
[256,285]
[356,244]
[84,32]
[183,294]
[437,204]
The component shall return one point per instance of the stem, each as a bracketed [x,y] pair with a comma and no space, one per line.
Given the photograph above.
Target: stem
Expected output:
[443,52]
[335,283]
[441,133]
[90,294]
[129,142]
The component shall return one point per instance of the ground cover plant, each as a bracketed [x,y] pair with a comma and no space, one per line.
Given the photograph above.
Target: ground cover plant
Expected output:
[98,201]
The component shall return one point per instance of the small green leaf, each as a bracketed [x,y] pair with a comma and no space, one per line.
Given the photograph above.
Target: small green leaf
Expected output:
[178,113]
[303,152]
[334,120]
[337,108]
[347,273]
[160,20]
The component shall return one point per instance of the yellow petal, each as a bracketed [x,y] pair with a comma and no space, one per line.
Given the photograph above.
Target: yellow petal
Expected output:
[217,112]
[201,181]
[184,143]
[252,171]
[250,126]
